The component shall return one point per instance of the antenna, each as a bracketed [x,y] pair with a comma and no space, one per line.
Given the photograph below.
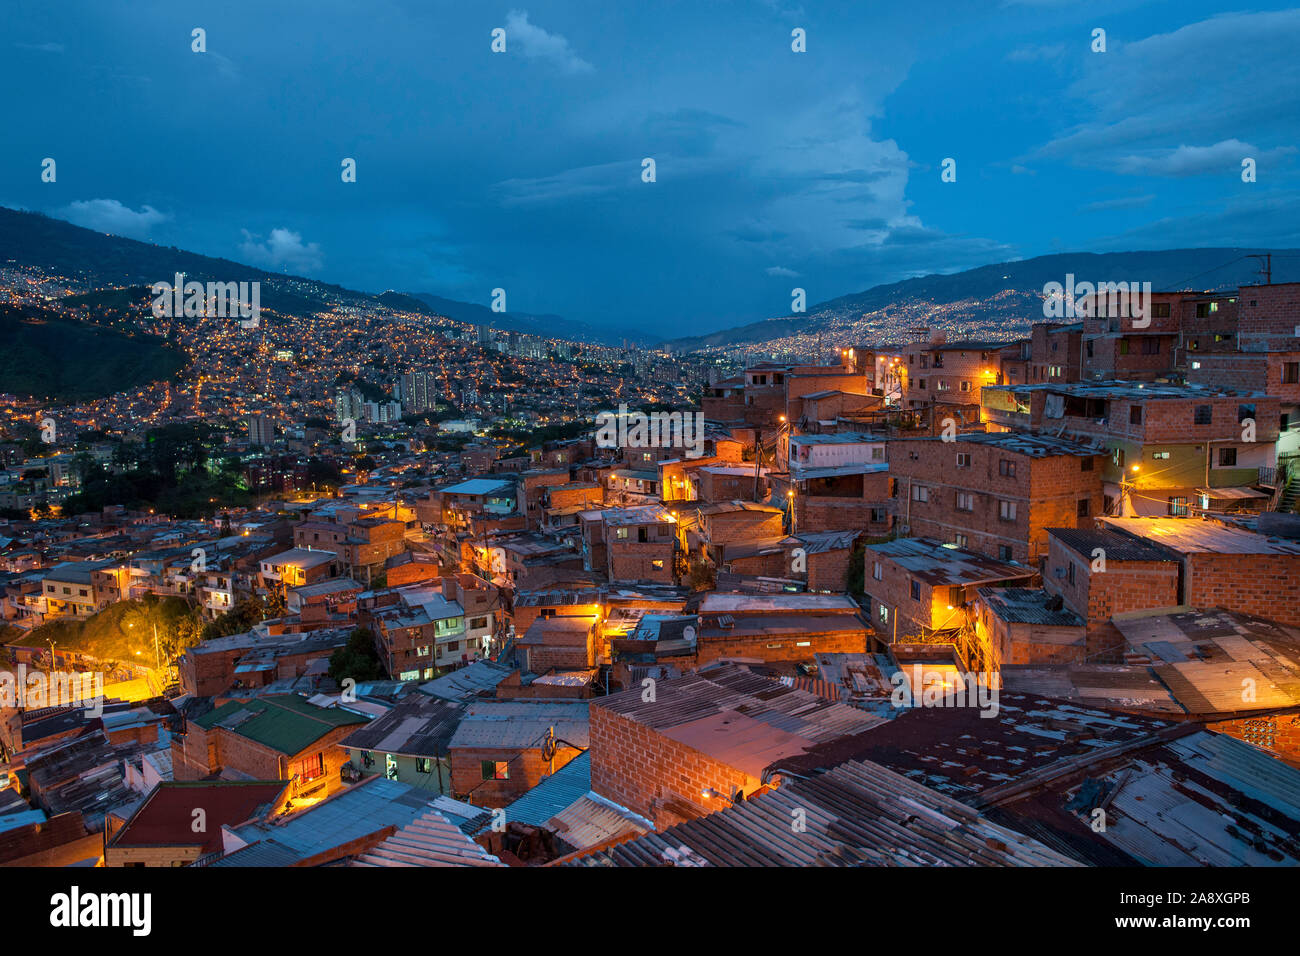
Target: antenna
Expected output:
[1265,266]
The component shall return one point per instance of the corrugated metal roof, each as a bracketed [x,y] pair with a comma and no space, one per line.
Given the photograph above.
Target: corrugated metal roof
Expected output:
[592,819]
[856,814]
[431,840]
[553,794]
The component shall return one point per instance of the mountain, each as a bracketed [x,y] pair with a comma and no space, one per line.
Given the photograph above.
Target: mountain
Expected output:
[46,355]
[550,326]
[1005,296]
[102,263]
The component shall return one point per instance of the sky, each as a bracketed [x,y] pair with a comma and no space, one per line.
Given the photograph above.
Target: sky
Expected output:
[773,169]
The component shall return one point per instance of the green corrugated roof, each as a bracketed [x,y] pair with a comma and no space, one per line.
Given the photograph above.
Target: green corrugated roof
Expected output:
[283,722]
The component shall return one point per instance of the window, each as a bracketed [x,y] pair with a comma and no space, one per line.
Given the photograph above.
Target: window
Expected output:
[965,386]
[1007,468]
[877,571]
[965,501]
[658,565]
[311,768]
[1245,412]
[422,651]
[476,622]
[1069,572]
[1083,507]
[495,769]
[1290,373]
[1107,504]
[1151,346]
[1203,415]
[877,515]
[920,382]
[1227,458]
[1004,552]
[1085,463]
[1178,506]
[1135,414]
[960,540]
[1007,510]
[920,493]
[884,614]
[963,460]
[422,765]
[916,590]
[620,532]
[1160,310]
[1160,455]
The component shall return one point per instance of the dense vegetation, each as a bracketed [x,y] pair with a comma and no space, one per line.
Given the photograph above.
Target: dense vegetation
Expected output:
[49,357]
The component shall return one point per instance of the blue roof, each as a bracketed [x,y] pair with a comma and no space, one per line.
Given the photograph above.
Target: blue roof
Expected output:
[12,821]
[354,813]
[557,792]
[478,486]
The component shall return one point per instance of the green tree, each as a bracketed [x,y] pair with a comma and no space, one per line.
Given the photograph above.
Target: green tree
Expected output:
[356,659]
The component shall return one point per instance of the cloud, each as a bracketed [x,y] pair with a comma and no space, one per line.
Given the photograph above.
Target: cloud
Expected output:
[1124,202]
[781,271]
[580,183]
[284,251]
[109,215]
[1221,158]
[536,43]
[1135,99]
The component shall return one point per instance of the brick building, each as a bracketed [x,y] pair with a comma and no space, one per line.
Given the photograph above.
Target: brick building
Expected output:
[1101,573]
[996,493]
[500,749]
[779,627]
[920,587]
[1223,566]
[163,830]
[714,731]
[1167,446]
[276,737]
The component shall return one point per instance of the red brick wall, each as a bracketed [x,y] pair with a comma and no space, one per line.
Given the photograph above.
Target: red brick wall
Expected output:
[1268,316]
[647,772]
[1046,492]
[780,647]
[526,771]
[1279,734]
[1266,585]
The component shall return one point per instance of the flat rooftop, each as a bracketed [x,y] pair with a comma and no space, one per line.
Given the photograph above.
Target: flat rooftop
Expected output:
[1195,536]
[939,564]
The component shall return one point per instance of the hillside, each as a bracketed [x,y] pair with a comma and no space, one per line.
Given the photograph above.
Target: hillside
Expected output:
[1004,295]
[45,355]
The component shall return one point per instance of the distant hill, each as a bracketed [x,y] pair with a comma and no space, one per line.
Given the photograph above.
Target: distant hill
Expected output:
[45,355]
[102,261]
[1008,291]
[551,326]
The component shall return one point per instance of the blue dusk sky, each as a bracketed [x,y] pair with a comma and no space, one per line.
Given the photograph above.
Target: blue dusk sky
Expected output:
[774,169]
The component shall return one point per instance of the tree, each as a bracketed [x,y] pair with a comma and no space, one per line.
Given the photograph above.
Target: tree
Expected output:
[356,659]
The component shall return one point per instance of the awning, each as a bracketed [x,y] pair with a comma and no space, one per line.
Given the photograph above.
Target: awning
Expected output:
[1232,493]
